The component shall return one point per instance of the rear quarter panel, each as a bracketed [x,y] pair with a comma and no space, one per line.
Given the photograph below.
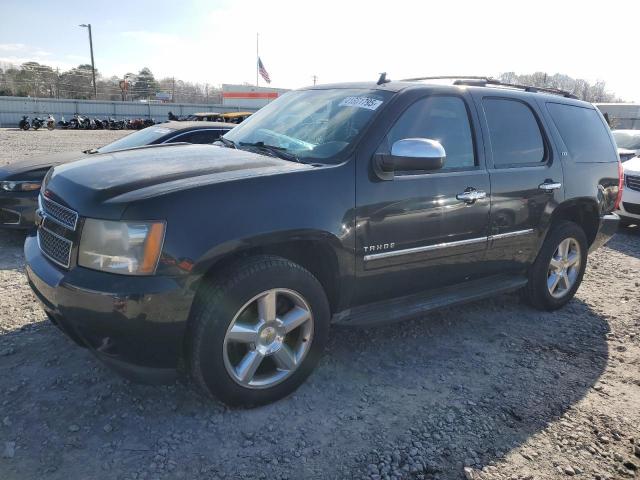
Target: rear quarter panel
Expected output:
[595,181]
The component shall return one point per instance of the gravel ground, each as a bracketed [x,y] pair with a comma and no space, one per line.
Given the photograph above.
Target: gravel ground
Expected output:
[491,390]
[16,145]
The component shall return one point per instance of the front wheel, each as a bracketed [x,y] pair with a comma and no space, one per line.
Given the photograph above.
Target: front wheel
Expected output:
[257,331]
[557,273]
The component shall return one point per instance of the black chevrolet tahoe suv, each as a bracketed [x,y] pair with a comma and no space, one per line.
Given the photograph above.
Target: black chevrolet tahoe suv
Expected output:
[352,203]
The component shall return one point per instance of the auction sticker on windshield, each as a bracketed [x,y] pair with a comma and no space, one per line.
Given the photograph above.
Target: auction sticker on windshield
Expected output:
[361,102]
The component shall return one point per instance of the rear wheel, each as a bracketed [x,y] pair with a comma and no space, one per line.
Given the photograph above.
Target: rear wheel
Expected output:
[257,331]
[557,273]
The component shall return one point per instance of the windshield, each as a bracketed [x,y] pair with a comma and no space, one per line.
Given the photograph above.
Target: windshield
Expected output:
[137,139]
[311,124]
[629,140]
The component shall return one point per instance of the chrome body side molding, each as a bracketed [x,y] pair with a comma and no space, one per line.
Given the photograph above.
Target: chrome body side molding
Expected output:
[438,246]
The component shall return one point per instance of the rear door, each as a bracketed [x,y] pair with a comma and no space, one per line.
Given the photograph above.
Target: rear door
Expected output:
[526,177]
[413,232]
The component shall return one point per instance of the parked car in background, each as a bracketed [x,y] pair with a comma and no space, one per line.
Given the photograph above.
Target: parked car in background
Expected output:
[234,117]
[229,117]
[204,117]
[628,142]
[630,206]
[20,181]
[350,203]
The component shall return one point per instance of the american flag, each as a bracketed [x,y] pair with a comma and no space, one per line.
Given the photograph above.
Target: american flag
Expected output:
[263,71]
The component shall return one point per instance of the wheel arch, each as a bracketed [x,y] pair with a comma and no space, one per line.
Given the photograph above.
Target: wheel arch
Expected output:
[583,211]
[321,253]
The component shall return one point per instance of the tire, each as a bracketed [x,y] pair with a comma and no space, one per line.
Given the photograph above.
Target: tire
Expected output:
[543,275]
[230,301]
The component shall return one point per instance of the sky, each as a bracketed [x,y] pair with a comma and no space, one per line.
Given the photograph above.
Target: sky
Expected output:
[214,41]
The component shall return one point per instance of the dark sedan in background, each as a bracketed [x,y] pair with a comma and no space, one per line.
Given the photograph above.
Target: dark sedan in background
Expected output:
[20,181]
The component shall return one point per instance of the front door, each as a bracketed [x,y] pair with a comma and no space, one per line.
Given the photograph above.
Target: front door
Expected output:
[420,230]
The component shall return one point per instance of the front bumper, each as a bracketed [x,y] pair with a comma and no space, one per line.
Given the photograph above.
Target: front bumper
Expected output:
[134,324]
[630,205]
[17,209]
[607,229]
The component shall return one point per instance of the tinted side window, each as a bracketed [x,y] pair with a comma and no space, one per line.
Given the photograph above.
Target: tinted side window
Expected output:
[440,118]
[514,133]
[198,136]
[583,132]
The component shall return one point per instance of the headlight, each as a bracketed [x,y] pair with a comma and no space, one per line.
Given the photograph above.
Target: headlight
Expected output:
[18,186]
[129,248]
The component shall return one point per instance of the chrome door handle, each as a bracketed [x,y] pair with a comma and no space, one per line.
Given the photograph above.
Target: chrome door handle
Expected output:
[549,186]
[471,195]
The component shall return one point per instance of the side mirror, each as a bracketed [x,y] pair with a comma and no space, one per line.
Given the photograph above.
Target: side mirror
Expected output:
[410,154]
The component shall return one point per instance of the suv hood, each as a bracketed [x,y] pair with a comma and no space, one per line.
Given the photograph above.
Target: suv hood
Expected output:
[632,167]
[90,185]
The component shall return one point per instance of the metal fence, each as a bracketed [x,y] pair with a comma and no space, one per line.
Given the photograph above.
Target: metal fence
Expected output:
[13,108]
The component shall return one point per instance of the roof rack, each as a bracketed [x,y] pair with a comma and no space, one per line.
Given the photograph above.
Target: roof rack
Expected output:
[478,81]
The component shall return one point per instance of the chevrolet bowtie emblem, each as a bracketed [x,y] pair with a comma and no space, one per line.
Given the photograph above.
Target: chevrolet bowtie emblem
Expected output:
[39,217]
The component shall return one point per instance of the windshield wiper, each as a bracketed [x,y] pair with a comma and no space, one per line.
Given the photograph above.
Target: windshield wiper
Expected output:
[226,142]
[280,152]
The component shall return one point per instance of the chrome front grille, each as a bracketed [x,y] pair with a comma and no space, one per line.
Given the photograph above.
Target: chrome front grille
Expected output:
[55,247]
[633,182]
[59,214]
[56,231]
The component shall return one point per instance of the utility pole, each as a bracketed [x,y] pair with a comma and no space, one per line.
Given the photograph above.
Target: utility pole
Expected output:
[93,65]
[173,90]
[315,79]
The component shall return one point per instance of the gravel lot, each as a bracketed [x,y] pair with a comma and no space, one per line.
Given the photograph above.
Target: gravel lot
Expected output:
[491,390]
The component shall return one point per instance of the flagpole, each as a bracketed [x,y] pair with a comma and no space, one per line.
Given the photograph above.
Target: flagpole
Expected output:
[257,57]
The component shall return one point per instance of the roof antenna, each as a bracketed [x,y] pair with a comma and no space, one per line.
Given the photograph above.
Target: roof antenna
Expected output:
[383,79]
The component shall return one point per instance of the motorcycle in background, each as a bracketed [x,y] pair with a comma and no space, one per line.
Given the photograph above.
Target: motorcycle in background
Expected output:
[37,123]
[74,123]
[51,122]
[63,123]
[136,124]
[25,124]
[99,125]
[115,124]
[79,122]
[84,123]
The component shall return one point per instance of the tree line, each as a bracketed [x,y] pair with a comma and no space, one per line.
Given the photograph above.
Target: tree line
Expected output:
[584,90]
[32,79]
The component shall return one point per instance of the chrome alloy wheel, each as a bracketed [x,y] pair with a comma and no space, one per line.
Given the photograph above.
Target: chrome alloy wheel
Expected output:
[268,338]
[564,268]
